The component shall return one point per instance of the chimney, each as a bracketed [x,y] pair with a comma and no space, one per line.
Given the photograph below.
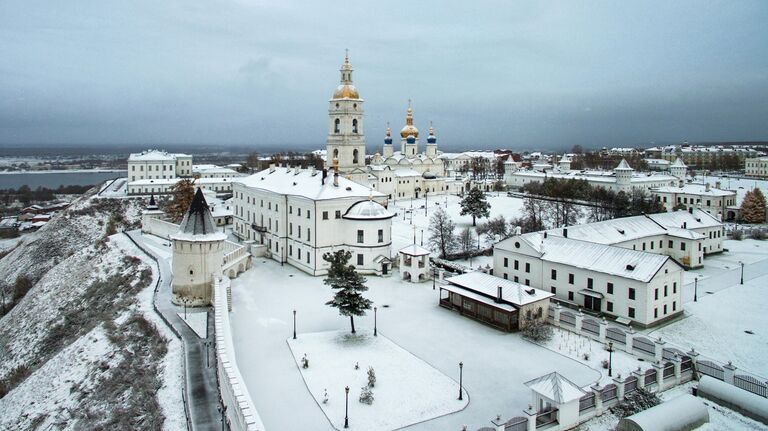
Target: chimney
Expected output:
[717,184]
[685,225]
[271,168]
[706,187]
[324,176]
[498,295]
[565,232]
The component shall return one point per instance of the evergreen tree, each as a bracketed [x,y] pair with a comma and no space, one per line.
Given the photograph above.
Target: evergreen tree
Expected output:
[348,298]
[182,192]
[474,204]
[753,207]
[441,236]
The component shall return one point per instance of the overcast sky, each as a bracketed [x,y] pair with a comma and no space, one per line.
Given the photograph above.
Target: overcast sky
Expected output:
[516,74]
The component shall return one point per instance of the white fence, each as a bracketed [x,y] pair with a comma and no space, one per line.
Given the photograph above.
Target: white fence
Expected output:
[238,405]
[158,227]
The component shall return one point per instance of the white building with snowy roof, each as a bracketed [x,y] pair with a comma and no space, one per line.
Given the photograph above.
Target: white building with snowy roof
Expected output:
[555,400]
[156,164]
[300,214]
[632,285]
[413,261]
[713,200]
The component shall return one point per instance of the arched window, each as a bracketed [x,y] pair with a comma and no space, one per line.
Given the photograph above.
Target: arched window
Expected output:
[354,125]
[335,153]
[336,123]
[354,156]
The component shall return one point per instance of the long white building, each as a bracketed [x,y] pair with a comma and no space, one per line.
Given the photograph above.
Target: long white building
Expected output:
[300,214]
[634,286]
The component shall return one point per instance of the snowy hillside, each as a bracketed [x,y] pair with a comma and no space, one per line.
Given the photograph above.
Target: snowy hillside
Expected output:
[81,346]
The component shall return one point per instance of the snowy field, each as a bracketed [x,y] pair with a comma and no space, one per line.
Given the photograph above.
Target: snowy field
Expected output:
[407,390]
[496,364]
[9,243]
[411,215]
[716,324]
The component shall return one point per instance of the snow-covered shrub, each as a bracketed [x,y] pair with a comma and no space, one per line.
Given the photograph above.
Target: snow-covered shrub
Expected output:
[737,234]
[585,356]
[760,234]
[371,377]
[604,363]
[635,402]
[536,330]
[366,395]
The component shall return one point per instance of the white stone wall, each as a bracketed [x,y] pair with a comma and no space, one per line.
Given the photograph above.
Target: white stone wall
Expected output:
[194,265]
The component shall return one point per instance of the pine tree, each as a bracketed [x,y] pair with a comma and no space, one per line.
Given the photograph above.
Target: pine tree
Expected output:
[183,192]
[753,207]
[441,236]
[474,204]
[348,299]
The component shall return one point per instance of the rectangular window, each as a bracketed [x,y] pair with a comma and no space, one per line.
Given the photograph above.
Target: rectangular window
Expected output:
[269,205]
[570,278]
[290,209]
[527,267]
[299,227]
[359,259]
[554,290]
[655,313]
[527,282]
[682,246]
[674,305]
[631,312]
[517,279]
[589,283]
[338,214]
[609,288]
[570,296]
[554,274]
[671,244]
[666,290]
[309,236]
[674,287]
[381,235]
[506,262]
[298,211]
[290,250]
[505,276]
[359,236]
[665,309]
[656,293]
[325,215]
[309,213]
[517,264]
[290,228]
[609,306]
[631,293]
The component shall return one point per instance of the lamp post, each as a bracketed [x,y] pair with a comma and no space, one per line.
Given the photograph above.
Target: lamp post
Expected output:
[742,272]
[208,354]
[346,407]
[185,301]
[294,324]
[695,288]
[610,358]
[461,377]
[422,237]
[426,201]
[375,330]
[434,275]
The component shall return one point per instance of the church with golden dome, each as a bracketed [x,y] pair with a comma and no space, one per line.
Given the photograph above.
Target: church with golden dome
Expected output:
[406,173]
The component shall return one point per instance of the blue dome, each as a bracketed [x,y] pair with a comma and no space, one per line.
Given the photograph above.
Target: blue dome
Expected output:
[410,139]
[388,141]
[431,139]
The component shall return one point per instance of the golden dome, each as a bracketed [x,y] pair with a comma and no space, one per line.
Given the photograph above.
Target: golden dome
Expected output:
[346,91]
[409,129]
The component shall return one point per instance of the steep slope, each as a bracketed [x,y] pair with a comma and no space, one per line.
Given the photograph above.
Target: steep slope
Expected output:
[82,349]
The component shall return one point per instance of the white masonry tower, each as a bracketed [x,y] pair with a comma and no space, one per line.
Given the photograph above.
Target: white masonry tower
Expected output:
[678,169]
[623,174]
[346,138]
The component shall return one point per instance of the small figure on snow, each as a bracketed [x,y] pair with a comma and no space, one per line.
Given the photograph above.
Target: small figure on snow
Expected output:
[357,366]
[325,396]
[304,361]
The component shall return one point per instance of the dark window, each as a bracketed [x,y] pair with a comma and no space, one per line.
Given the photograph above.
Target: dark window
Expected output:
[554,274]
[517,264]
[631,312]
[570,296]
[674,287]
[666,290]
[671,244]
[381,235]
[570,278]
[682,246]
[325,215]
[517,279]
[631,293]
[359,259]
[527,282]
[336,125]
[589,283]
[506,262]
[665,309]
[506,276]
[554,290]
[527,267]
[609,288]
[655,313]
[609,306]
[656,293]
[338,214]
[359,237]
[674,305]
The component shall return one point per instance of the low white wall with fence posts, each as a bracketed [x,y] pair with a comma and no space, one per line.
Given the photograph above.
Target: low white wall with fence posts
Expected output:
[671,367]
[159,227]
[240,412]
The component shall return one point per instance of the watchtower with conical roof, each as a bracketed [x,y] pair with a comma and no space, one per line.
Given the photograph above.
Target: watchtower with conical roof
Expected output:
[198,254]
[623,174]
[678,169]
[151,212]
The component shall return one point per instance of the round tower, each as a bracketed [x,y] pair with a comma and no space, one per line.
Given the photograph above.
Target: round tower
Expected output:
[346,138]
[623,174]
[198,255]
[678,169]
[431,148]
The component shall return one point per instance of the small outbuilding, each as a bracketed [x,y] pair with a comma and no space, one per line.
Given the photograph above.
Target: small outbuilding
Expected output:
[556,400]
[414,263]
[683,413]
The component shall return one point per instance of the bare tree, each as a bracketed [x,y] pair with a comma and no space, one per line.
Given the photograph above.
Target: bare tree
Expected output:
[441,236]
[466,240]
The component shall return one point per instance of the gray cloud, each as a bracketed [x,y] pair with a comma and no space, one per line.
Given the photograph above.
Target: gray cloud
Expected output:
[489,74]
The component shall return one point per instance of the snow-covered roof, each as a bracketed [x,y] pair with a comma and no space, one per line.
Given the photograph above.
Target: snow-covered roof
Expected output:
[623,166]
[596,176]
[678,163]
[155,156]
[306,183]
[477,297]
[155,181]
[556,387]
[367,210]
[414,250]
[607,259]
[488,285]
[686,412]
[692,219]
[694,189]
[406,173]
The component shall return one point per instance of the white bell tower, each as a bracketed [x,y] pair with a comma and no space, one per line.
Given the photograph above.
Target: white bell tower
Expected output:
[346,139]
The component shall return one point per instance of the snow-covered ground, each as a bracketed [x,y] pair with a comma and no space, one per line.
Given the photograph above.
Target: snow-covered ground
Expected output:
[197,321]
[407,390]
[411,215]
[9,243]
[496,364]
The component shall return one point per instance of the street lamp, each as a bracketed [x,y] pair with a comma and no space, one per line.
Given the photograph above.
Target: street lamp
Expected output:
[610,358]
[346,408]
[461,376]
[294,324]
[185,301]
[695,288]
[426,201]
[742,272]
[375,331]
[434,275]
